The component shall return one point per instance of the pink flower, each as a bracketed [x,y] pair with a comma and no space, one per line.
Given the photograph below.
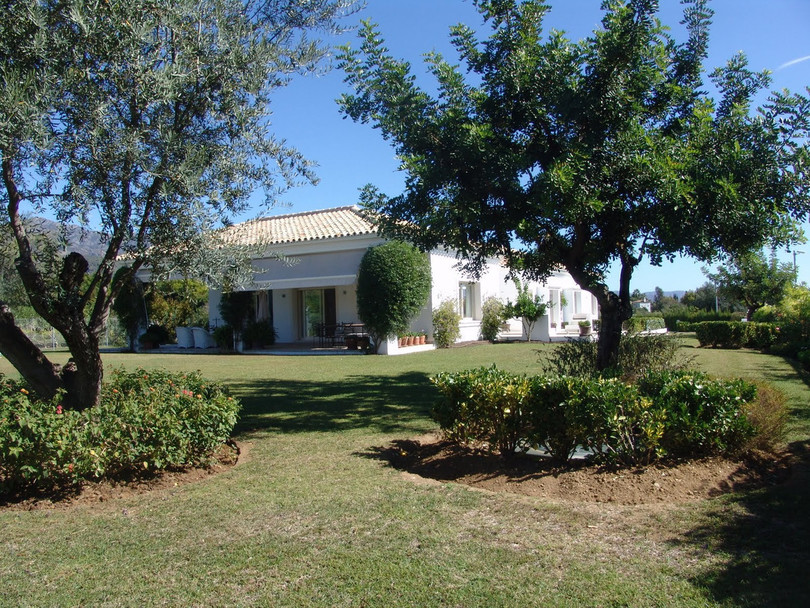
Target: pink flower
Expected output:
[59,409]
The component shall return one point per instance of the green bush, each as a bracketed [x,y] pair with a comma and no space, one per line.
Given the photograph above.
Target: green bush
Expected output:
[259,334]
[483,406]
[446,324]
[721,334]
[638,354]
[673,318]
[223,336]
[552,423]
[734,334]
[146,421]
[393,285]
[677,413]
[639,323]
[492,316]
[703,416]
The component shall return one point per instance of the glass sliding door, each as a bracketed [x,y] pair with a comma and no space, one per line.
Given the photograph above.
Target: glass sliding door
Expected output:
[313,311]
[317,308]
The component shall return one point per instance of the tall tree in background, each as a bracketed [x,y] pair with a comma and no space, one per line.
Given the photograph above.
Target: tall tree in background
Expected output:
[582,154]
[754,280]
[149,117]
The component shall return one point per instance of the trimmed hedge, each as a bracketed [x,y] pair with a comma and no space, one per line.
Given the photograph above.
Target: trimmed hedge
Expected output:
[680,414]
[674,319]
[734,334]
[146,421]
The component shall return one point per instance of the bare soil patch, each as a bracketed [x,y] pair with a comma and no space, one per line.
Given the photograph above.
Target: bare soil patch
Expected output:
[433,458]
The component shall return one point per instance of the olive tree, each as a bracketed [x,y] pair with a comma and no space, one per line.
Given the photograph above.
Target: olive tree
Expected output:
[393,285]
[148,119]
[553,153]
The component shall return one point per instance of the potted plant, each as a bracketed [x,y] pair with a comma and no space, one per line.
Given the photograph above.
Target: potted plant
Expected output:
[422,336]
[584,328]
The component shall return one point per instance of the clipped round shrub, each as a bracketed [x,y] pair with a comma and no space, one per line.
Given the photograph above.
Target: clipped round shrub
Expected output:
[393,284]
[146,421]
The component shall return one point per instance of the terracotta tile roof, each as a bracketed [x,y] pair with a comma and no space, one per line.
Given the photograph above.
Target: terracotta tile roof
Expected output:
[299,227]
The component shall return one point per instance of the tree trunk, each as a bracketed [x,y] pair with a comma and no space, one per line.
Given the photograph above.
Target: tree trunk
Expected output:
[615,309]
[80,378]
[42,375]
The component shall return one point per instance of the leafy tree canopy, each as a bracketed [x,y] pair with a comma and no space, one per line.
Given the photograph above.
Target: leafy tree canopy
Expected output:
[551,152]
[754,280]
[150,118]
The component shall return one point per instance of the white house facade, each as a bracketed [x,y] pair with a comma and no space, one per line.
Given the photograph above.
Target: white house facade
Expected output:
[314,284]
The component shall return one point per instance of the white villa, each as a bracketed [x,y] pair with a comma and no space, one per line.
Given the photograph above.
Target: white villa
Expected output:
[315,285]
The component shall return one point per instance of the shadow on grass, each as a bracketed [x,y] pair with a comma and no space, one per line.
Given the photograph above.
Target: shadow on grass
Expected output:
[765,536]
[386,404]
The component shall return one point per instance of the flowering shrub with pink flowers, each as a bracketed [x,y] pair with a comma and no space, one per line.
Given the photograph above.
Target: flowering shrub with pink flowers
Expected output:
[147,420]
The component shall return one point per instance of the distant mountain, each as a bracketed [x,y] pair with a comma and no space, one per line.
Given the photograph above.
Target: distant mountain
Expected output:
[90,243]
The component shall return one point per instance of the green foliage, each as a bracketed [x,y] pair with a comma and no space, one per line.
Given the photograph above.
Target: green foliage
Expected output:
[259,334]
[638,354]
[236,308]
[178,303]
[129,304]
[223,336]
[551,422]
[393,285]
[446,324]
[703,416]
[146,421]
[639,323]
[610,149]
[155,335]
[682,318]
[492,316]
[753,280]
[527,307]
[679,414]
[733,334]
[482,406]
[149,118]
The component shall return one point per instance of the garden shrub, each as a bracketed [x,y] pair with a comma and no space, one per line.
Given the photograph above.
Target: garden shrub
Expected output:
[721,334]
[446,324]
[393,285]
[640,323]
[620,425]
[703,416]
[258,334]
[146,421]
[734,334]
[676,413]
[551,422]
[482,406]
[673,318]
[637,355]
[492,316]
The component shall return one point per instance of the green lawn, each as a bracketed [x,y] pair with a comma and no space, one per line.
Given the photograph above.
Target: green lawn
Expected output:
[311,518]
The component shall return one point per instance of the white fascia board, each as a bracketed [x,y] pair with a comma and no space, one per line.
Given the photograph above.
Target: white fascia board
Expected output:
[304,282]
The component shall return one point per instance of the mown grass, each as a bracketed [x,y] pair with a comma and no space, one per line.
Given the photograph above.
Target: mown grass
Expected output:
[309,518]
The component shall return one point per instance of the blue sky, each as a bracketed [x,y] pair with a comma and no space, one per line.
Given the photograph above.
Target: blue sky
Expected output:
[772,33]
